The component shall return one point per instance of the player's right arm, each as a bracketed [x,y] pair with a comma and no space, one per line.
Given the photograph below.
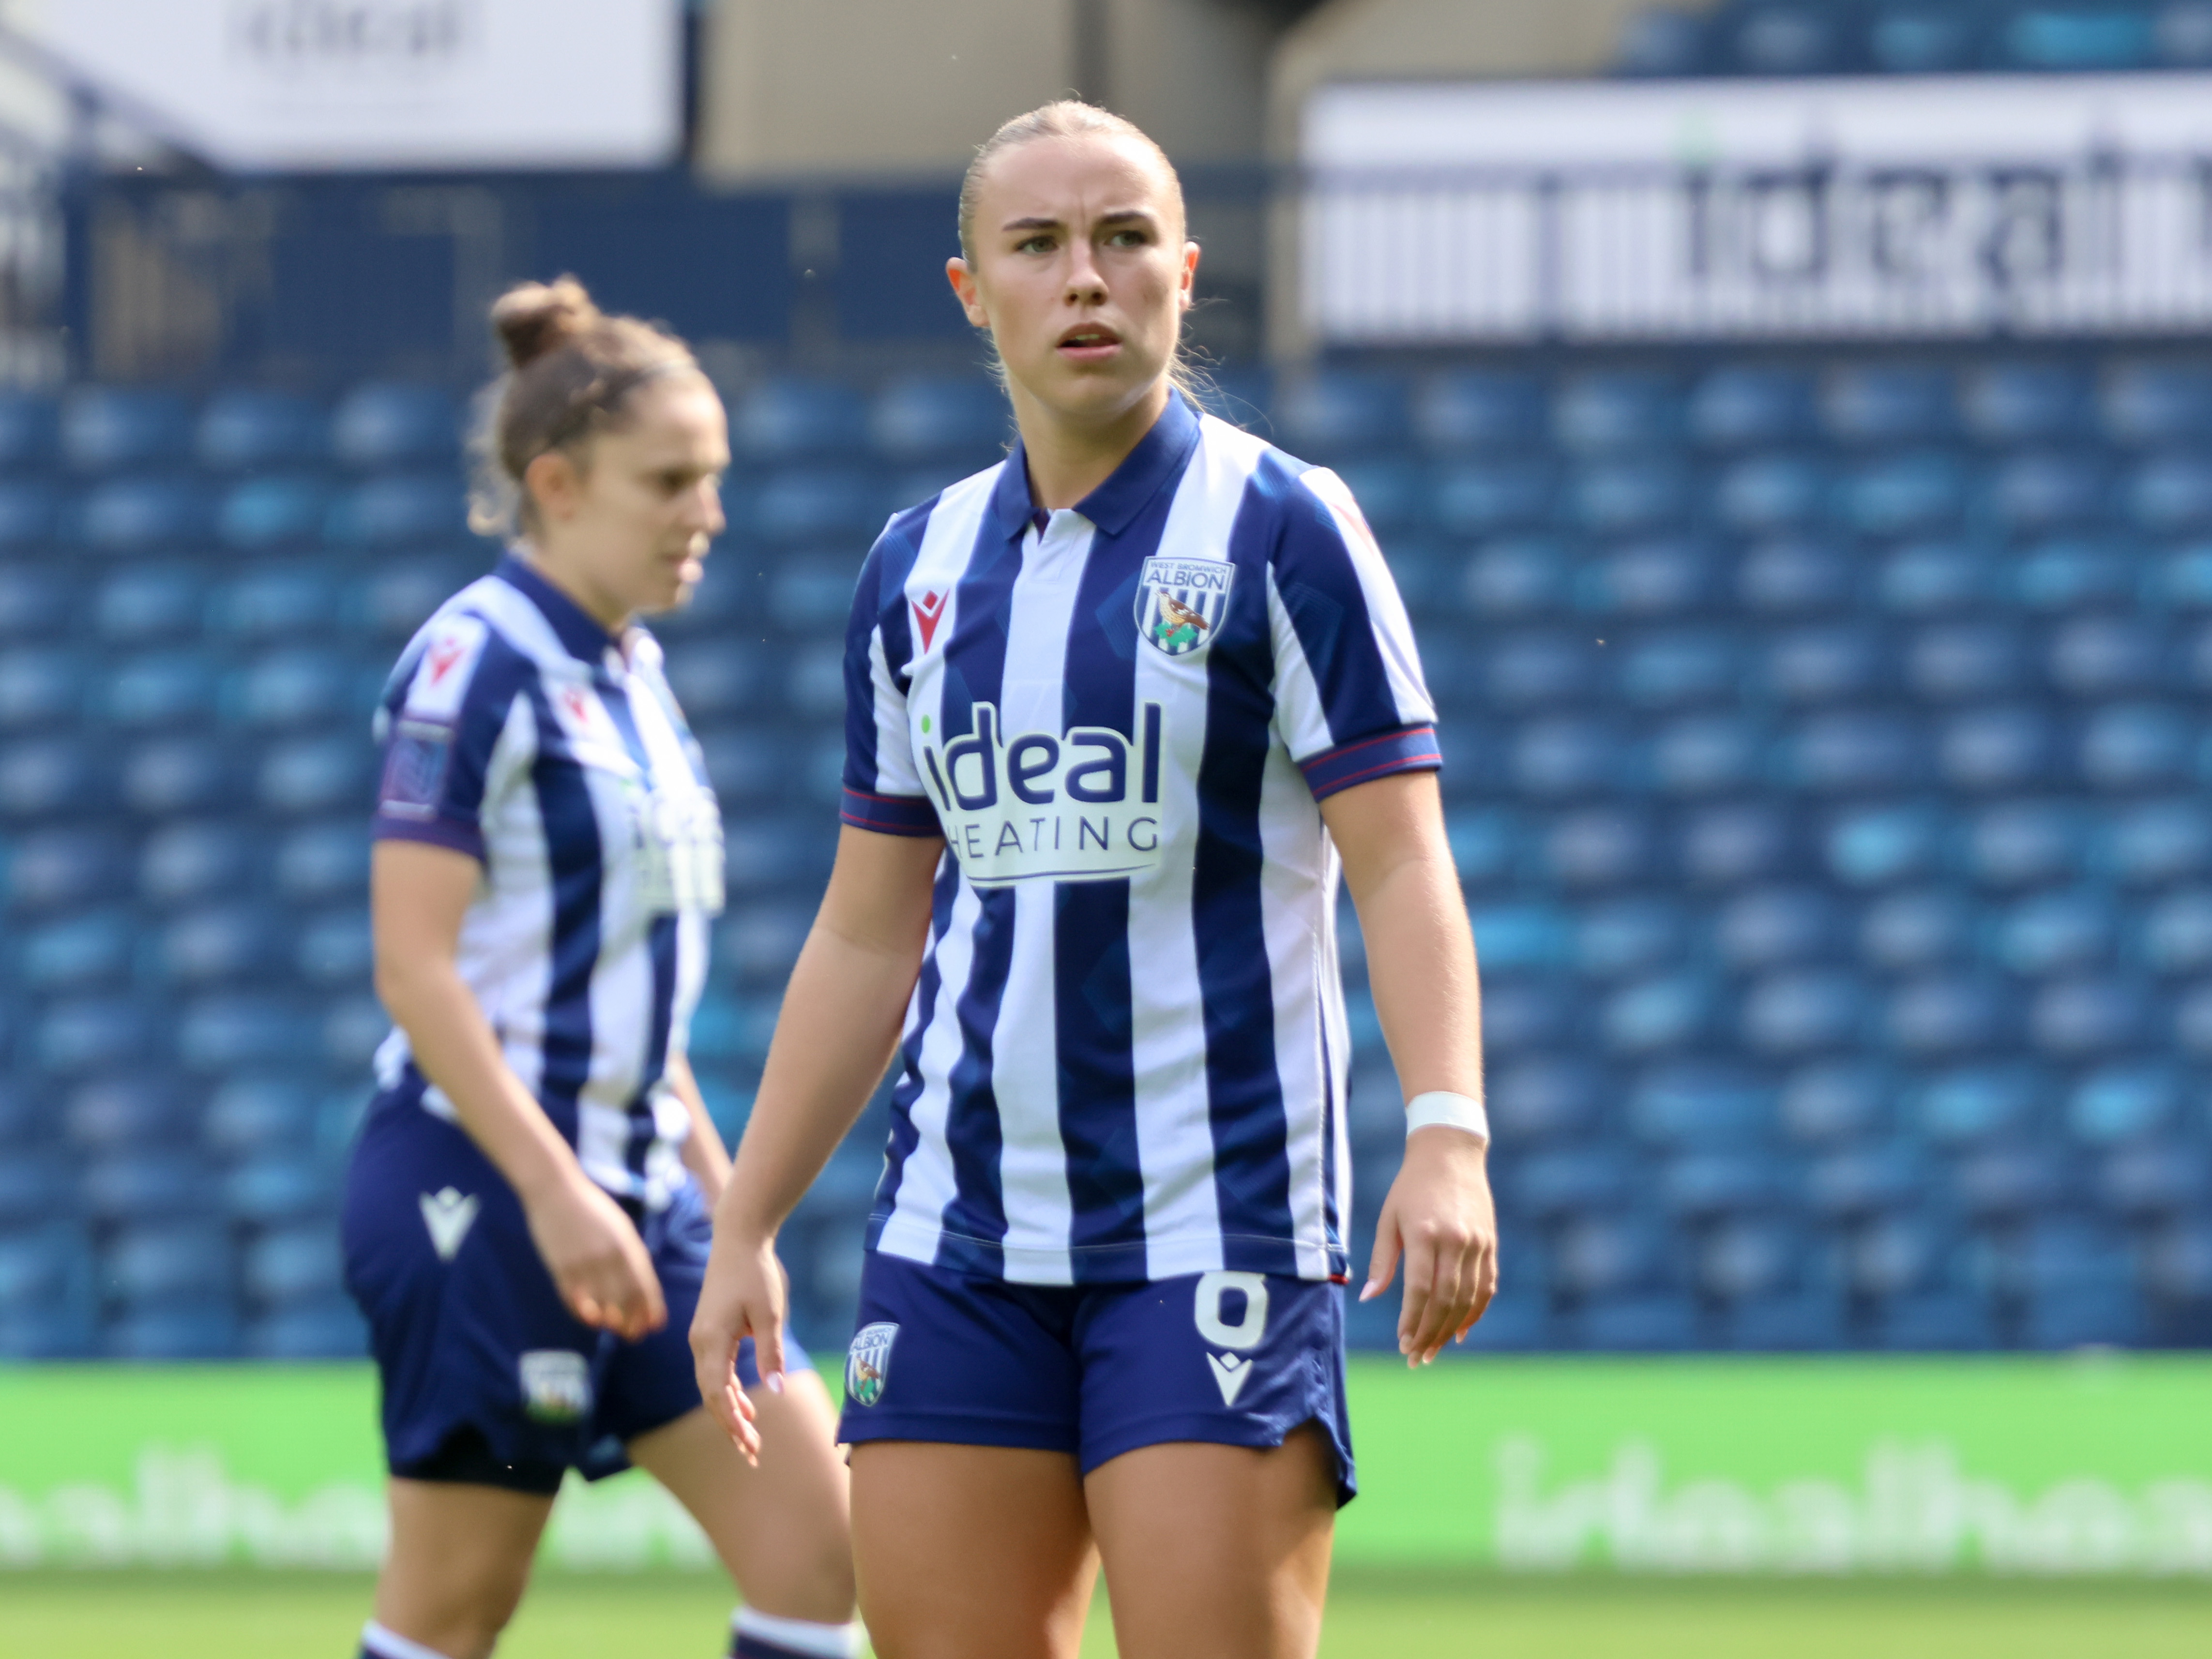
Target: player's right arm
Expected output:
[839,1023]
[418,895]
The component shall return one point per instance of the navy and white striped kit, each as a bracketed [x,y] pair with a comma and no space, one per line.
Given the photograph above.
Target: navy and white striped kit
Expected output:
[1126,1055]
[516,731]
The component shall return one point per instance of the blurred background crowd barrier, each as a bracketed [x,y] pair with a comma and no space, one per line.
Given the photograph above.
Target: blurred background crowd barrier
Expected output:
[1802,492]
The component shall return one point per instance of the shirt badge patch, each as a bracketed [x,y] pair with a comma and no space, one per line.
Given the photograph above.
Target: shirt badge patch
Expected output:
[557,1385]
[868,1362]
[1180,603]
[414,766]
[928,611]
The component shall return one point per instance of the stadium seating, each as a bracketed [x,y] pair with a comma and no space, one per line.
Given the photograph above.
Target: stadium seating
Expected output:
[1858,37]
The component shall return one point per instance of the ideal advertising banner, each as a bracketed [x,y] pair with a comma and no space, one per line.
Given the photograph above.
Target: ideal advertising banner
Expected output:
[391,84]
[2098,1465]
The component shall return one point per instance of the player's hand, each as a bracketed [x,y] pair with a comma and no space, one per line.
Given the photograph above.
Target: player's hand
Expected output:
[1439,1217]
[742,1296]
[597,1261]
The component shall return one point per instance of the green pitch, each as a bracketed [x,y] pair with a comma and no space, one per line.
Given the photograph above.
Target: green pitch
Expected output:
[237,1615]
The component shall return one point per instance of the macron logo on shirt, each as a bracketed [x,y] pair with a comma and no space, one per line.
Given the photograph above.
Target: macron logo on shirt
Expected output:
[928,611]
[447,665]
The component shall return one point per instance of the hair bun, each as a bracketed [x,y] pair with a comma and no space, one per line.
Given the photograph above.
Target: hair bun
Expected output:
[532,318]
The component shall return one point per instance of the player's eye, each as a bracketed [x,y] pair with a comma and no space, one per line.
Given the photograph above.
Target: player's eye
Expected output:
[1040,243]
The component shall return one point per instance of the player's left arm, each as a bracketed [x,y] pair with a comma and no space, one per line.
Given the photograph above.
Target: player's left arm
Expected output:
[704,1155]
[1420,965]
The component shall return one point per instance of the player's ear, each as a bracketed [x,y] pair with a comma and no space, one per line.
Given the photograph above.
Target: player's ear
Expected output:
[554,484]
[962,278]
[1188,283]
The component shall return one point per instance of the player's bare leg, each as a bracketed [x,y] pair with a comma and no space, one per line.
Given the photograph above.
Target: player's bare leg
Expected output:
[780,1528]
[1217,1550]
[460,1559]
[970,1552]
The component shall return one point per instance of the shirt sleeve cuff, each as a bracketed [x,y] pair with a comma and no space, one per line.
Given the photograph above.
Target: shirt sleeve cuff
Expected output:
[889,815]
[1364,759]
[438,832]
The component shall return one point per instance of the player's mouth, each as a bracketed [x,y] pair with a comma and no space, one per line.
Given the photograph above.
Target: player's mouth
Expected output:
[1089,343]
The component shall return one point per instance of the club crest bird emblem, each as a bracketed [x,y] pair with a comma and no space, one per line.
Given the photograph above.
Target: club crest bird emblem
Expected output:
[1180,603]
[868,1362]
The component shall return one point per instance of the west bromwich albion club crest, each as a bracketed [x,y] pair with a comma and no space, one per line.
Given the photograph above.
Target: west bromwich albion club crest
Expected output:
[868,1362]
[1180,603]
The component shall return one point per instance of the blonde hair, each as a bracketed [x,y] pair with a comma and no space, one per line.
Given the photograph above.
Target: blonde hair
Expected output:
[1070,117]
[571,369]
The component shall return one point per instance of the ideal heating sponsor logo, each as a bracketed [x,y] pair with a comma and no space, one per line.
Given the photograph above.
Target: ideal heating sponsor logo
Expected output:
[1079,806]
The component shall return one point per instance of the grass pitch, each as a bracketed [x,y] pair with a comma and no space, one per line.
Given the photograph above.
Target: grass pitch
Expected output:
[241,1615]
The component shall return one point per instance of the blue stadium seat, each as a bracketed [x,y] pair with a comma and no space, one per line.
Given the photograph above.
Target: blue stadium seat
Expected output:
[831,504]
[143,1186]
[335,948]
[1708,1186]
[398,510]
[1333,412]
[1761,495]
[1613,412]
[81,952]
[1954,1319]
[1902,1254]
[1709,755]
[1701,1104]
[1651,579]
[1880,846]
[2062,577]
[2026,844]
[1827,663]
[1634,935]
[1483,498]
[161,690]
[1789,40]
[2149,1181]
[278,602]
[1803,1322]
[168,1262]
[2177,1264]
[785,420]
[2066,932]
[2038,491]
[1487,845]
[260,1112]
[1633,1324]
[1565,755]
[1977,1105]
[2077,38]
[34,601]
[324,862]
[51,869]
[747,763]
[1517,1321]
[391,424]
[1790,578]
[1523,1014]
[229,1032]
[1572,1181]
[188,861]
[1799,1013]
[398,598]
[1740,842]
[2108,656]
[29,430]
[1997,748]
[1854,753]
[266,513]
[2192,1021]
[134,515]
[1949,1014]
[29,512]
[938,414]
[1522,935]
[1957,661]
[1510,579]
[330,1327]
[105,428]
[46,1292]
[2101,1313]
[1550,1099]
[2001,1184]
[1750,1258]
[2084,1017]
[149,602]
[1917,493]
[2128,1101]
[2150,403]
[1888,403]
[275,1189]
[1679,669]
[353,1028]
[179,774]
[297,688]
[758,943]
[2022,402]
[2177,933]
[1629,497]
[2183,579]
[1603,846]
[2170,494]
[1918,930]
[315,775]
[295,1264]
[1834,1102]
[1607,1256]
[241,430]
[122,1111]
[1660,41]
[1773,926]
[1524,669]
[1477,410]
[2127,747]
[1741,407]
[1392,493]
[221,944]
[40,687]
[1936,578]
[49,778]
[183,1330]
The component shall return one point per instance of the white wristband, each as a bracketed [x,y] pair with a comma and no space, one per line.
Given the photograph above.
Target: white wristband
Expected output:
[1441,1106]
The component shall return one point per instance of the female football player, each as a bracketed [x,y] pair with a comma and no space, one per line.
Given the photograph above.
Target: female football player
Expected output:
[526,1211]
[1119,708]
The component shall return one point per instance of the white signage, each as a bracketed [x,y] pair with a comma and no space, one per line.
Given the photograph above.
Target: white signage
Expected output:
[391,84]
[1745,208]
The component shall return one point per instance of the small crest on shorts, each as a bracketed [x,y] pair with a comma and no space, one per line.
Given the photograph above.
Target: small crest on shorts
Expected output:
[557,1385]
[1180,603]
[868,1362]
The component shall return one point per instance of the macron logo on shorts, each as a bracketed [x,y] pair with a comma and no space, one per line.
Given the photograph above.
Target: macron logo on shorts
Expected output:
[1218,1294]
[449,1214]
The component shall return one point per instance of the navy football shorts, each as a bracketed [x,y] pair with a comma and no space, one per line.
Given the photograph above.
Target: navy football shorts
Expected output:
[1233,1359]
[488,1379]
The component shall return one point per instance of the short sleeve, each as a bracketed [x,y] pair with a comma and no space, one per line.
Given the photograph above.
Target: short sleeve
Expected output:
[883,786]
[1350,702]
[449,705]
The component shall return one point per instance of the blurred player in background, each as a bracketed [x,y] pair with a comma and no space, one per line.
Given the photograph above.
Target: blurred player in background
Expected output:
[1147,681]
[526,1214]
